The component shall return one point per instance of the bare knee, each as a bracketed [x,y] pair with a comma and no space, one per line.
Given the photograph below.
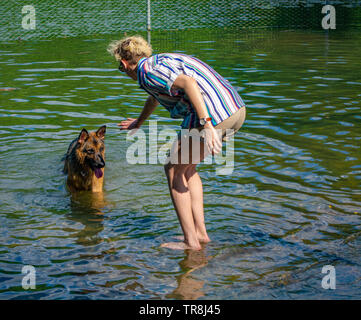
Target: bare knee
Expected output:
[176,177]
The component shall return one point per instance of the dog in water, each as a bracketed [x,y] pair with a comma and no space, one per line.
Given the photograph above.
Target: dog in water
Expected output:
[85,161]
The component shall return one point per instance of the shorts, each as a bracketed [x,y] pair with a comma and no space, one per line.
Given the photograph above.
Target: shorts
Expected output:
[233,124]
[227,128]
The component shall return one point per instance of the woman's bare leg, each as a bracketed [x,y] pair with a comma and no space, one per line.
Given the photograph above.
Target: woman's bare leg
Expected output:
[196,193]
[181,197]
[186,191]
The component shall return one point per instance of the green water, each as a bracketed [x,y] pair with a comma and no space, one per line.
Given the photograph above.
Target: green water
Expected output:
[290,207]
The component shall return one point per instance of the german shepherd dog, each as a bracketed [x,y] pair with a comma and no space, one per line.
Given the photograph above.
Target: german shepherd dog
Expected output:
[85,161]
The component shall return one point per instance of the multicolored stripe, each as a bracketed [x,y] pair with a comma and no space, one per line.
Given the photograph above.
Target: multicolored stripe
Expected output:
[157,74]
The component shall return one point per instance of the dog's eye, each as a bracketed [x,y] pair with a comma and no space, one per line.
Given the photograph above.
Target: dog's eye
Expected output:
[90,151]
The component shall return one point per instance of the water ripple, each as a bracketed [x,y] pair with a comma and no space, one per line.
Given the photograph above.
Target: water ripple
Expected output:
[291,205]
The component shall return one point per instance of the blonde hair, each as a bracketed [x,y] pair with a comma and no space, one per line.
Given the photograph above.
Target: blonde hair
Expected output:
[130,49]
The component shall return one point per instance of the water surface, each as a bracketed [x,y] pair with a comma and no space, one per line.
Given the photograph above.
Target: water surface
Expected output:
[290,207]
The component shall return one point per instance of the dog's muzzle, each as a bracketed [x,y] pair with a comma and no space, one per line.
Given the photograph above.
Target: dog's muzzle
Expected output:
[97,166]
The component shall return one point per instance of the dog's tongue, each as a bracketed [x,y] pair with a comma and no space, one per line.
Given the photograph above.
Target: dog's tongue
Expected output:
[98,173]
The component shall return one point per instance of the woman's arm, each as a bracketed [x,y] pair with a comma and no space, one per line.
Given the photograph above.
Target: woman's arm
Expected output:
[190,87]
[132,123]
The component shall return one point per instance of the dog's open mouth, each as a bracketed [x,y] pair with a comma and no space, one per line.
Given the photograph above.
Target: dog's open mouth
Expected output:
[98,172]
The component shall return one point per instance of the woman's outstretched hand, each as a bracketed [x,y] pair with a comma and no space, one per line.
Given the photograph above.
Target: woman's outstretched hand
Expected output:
[129,124]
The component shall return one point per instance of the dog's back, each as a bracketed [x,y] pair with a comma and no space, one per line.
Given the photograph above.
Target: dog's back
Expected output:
[68,154]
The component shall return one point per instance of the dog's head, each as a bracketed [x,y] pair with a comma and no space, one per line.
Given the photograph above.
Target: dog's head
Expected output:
[91,149]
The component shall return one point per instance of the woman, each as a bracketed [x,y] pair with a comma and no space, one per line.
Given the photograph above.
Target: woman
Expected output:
[189,89]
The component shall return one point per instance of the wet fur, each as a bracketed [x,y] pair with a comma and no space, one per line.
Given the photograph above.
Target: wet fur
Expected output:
[79,165]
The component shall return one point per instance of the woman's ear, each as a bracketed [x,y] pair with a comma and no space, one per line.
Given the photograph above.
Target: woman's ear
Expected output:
[129,68]
[125,64]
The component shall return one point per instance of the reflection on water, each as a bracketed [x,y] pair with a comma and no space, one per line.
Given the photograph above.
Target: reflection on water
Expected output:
[86,208]
[290,207]
[190,288]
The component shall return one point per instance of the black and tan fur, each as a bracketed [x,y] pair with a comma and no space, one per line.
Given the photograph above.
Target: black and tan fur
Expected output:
[84,160]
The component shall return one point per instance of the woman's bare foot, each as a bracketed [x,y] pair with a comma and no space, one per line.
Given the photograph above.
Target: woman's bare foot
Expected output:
[204,239]
[179,246]
[200,239]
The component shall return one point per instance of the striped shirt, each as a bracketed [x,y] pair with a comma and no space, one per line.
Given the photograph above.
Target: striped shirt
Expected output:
[157,73]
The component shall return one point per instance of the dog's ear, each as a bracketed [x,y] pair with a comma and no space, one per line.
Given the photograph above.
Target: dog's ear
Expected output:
[83,136]
[101,132]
